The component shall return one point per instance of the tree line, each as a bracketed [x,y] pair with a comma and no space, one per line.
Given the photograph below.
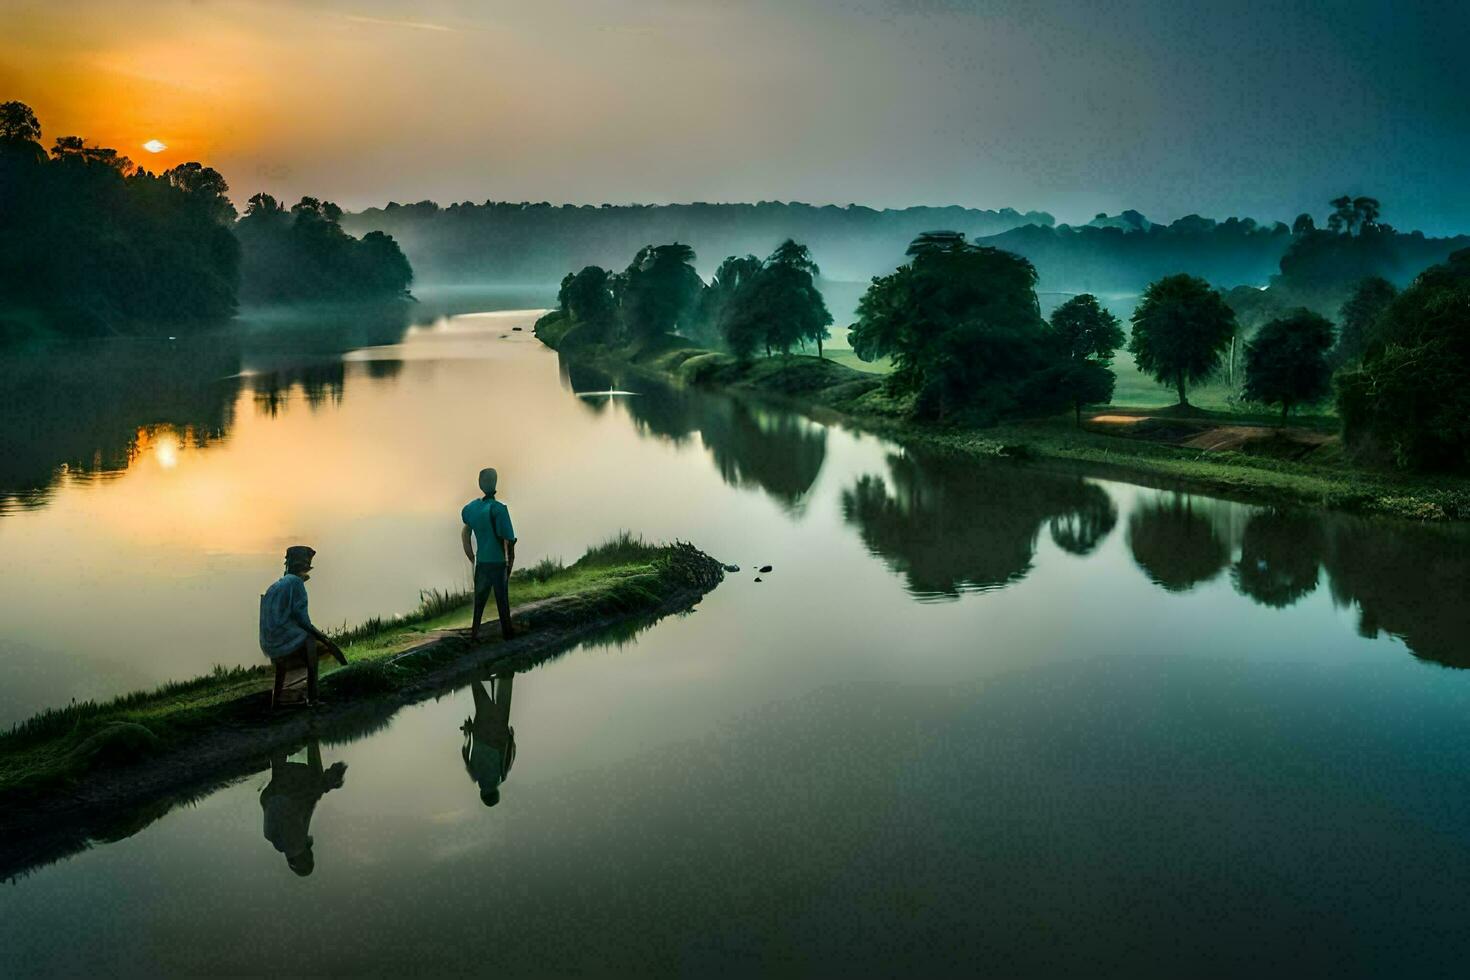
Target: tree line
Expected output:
[91,244]
[770,305]
[962,326]
[521,242]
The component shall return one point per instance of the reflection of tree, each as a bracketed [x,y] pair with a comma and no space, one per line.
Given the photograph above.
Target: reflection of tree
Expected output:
[1176,547]
[384,369]
[320,383]
[88,408]
[1080,531]
[1408,583]
[778,452]
[323,382]
[951,526]
[578,376]
[1279,558]
[85,408]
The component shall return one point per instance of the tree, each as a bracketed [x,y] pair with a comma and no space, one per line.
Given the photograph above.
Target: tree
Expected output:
[1366,209]
[785,296]
[1180,329]
[962,325]
[1086,335]
[90,245]
[263,205]
[73,149]
[205,186]
[718,307]
[1303,224]
[1286,364]
[1343,217]
[304,255]
[1358,315]
[587,298]
[18,122]
[660,292]
[1408,402]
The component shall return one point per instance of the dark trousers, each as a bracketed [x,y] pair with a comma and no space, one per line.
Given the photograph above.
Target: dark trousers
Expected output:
[488,577]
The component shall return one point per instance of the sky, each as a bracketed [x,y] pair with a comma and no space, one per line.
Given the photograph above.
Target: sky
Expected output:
[1227,107]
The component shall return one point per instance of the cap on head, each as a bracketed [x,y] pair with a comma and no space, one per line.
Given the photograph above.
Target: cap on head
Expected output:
[488,479]
[299,556]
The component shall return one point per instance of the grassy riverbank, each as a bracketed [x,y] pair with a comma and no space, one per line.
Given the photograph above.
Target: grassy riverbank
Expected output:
[624,578]
[1270,471]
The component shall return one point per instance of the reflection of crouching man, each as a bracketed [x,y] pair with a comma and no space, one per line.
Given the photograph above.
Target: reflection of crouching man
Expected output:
[289,800]
[287,635]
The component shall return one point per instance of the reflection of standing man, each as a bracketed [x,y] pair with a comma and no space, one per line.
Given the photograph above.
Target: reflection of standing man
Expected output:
[289,799]
[493,554]
[490,742]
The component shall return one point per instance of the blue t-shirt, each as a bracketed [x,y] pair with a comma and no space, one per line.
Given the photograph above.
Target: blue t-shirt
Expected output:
[490,520]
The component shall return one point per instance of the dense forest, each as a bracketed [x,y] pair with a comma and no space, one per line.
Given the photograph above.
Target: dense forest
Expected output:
[525,243]
[92,244]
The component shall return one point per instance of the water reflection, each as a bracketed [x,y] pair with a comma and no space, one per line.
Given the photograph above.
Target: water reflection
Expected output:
[952,526]
[489,747]
[88,410]
[1176,546]
[1279,558]
[778,452]
[1411,583]
[289,800]
[1405,581]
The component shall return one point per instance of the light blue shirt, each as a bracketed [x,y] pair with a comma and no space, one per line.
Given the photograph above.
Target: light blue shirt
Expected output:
[490,520]
[283,618]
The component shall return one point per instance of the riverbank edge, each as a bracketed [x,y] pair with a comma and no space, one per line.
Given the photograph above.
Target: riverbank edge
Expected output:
[238,734]
[833,393]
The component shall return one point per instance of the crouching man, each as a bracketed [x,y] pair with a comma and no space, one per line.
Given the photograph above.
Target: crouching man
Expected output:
[287,635]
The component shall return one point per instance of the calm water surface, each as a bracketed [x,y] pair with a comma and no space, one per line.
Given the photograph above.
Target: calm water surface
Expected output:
[978,718]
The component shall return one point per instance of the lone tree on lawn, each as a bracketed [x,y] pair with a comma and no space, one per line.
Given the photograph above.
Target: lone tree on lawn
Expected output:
[1086,335]
[1180,330]
[1286,364]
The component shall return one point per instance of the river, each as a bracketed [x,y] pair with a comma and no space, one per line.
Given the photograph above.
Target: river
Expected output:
[976,719]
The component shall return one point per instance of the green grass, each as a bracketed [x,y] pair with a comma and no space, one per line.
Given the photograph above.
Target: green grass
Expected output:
[846,357]
[623,574]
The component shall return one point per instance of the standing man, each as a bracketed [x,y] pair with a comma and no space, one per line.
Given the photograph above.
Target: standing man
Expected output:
[287,635]
[493,553]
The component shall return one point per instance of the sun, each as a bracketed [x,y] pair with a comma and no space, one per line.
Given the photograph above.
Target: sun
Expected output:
[155,146]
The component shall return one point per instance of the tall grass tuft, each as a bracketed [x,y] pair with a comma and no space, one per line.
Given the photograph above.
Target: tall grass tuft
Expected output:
[543,570]
[623,548]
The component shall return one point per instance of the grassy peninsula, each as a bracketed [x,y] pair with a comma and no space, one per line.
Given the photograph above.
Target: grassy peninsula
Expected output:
[148,742]
[1165,445]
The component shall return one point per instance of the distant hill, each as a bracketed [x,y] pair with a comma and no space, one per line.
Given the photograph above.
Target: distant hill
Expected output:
[525,243]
